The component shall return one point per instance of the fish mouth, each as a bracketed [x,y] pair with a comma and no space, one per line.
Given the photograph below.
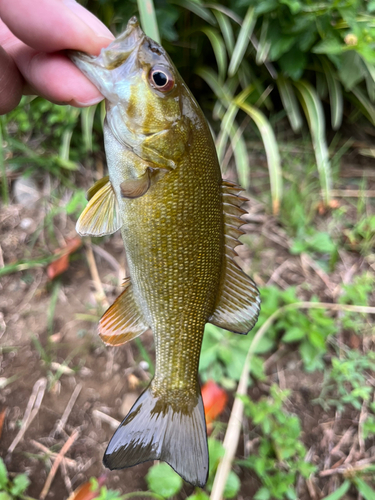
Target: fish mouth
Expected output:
[98,69]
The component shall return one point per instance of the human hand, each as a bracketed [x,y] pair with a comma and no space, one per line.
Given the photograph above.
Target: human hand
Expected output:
[32,32]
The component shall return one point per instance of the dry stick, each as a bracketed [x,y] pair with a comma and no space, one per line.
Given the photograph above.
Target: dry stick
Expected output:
[95,275]
[51,454]
[234,425]
[31,411]
[73,398]
[106,418]
[56,464]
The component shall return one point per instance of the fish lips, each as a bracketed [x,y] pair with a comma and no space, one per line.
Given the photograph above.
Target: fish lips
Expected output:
[115,61]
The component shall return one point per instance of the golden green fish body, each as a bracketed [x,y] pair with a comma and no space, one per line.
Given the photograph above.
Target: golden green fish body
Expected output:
[179,223]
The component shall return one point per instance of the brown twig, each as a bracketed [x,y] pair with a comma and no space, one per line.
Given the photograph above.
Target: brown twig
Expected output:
[95,275]
[73,398]
[51,454]
[31,411]
[56,464]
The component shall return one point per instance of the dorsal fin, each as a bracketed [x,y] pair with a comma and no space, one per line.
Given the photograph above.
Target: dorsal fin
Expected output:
[101,215]
[238,304]
[122,321]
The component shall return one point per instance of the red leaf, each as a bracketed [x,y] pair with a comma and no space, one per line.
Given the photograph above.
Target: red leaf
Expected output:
[214,401]
[2,418]
[85,491]
[61,263]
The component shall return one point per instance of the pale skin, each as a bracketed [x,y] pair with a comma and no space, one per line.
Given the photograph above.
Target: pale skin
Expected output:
[32,35]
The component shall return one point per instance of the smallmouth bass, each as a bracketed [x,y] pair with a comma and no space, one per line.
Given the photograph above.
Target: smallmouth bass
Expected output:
[180,223]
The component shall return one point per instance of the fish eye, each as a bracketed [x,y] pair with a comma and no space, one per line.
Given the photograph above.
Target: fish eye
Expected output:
[161,79]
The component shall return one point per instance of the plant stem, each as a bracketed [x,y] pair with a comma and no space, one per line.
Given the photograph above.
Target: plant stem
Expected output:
[142,494]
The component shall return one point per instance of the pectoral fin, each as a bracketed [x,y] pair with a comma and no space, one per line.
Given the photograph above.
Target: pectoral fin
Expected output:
[123,321]
[238,303]
[135,188]
[101,215]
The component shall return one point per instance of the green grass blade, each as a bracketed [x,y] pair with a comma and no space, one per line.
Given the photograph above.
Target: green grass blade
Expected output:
[225,130]
[227,121]
[197,9]
[264,44]
[218,46]
[335,95]
[241,156]
[364,104]
[289,100]
[212,80]
[272,150]
[226,30]
[313,109]
[148,19]
[87,122]
[364,489]
[242,40]
[340,492]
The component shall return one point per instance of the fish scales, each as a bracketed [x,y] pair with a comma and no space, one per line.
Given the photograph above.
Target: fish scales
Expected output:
[180,223]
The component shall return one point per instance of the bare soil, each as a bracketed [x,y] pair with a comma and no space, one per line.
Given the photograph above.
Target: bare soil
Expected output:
[60,349]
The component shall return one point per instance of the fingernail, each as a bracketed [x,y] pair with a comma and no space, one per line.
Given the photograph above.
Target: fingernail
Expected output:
[89,103]
[88,18]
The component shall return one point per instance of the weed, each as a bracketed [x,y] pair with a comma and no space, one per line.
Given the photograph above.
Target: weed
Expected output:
[280,455]
[12,488]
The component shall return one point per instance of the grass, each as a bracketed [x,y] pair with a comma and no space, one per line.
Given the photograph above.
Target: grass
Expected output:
[313,261]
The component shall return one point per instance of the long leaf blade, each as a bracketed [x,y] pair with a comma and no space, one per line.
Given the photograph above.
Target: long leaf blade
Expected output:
[313,109]
[148,19]
[289,100]
[335,95]
[272,150]
[218,47]
[243,40]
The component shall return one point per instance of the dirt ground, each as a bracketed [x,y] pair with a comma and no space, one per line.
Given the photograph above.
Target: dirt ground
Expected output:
[54,367]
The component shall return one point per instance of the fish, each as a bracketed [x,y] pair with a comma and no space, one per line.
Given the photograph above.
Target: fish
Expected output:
[180,223]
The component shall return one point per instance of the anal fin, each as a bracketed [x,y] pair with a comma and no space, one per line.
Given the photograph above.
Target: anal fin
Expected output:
[123,320]
[238,304]
[101,215]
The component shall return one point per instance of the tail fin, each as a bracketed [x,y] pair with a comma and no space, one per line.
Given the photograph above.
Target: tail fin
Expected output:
[157,429]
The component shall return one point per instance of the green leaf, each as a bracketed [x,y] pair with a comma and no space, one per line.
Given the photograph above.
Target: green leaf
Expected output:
[329,45]
[232,486]
[243,41]
[226,30]
[148,19]
[335,95]
[198,495]
[313,109]
[293,63]
[289,100]
[163,480]
[352,69]
[272,150]
[212,80]
[218,48]
[365,104]
[197,9]
[294,334]
[20,483]
[364,489]
[3,474]
[5,496]
[262,494]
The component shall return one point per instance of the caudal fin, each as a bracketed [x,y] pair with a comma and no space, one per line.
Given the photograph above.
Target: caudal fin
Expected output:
[157,429]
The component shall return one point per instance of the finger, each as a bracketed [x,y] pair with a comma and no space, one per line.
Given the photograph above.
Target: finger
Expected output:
[11,83]
[52,25]
[54,77]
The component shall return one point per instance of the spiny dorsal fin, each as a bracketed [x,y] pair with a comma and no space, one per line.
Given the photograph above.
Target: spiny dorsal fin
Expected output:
[101,215]
[238,303]
[122,321]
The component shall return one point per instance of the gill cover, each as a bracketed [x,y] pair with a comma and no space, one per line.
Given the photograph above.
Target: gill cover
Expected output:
[147,100]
